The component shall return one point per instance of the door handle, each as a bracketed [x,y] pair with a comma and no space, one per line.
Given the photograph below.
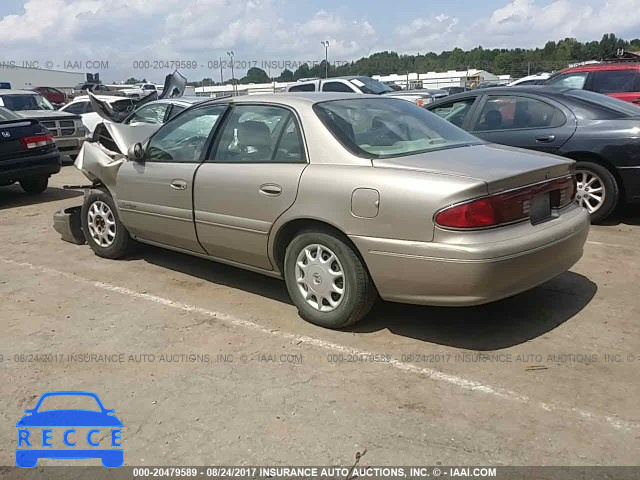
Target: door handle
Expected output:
[545,138]
[178,184]
[270,190]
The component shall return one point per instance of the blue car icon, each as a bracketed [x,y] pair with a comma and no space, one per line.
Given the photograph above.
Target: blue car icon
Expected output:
[103,419]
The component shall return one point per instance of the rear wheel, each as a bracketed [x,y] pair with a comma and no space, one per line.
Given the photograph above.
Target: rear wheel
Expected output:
[597,190]
[326,280]
[34,185]
[102,228]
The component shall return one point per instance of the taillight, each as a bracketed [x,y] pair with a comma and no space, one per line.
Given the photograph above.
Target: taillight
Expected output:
[37,141]
[508,207]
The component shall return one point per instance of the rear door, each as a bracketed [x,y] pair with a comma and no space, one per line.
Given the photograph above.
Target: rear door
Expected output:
[250,179]
[623,84]
[524,120]
[155,197]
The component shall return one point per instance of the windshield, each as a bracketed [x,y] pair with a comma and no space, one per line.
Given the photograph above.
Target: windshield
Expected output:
[26,102]
[610,103]
[371,86]
[382,128]
[8,115]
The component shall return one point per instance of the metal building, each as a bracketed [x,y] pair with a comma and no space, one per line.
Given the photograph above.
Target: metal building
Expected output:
[28,78]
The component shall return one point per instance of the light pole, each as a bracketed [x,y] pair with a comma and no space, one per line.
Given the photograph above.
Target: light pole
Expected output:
[233,78]
[326,57]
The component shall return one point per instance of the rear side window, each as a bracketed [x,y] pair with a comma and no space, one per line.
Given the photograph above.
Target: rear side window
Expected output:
[614,81]
[308,87]
[336,87]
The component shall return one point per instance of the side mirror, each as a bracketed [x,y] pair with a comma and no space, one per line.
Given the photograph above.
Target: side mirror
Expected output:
[136,153]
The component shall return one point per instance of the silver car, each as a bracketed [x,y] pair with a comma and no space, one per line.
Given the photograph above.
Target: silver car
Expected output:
[345,197]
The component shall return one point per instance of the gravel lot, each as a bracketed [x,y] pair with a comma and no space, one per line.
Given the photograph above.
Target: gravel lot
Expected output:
[549,377]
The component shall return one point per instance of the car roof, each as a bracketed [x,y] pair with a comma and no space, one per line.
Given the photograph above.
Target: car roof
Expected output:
[298,98]
[548,91]
[595,67]
[18,92]
[106,98]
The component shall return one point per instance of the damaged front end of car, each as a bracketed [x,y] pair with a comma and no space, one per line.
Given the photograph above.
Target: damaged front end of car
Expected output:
[100,159]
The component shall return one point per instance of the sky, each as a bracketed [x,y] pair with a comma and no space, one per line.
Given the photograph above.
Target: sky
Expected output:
[143,38]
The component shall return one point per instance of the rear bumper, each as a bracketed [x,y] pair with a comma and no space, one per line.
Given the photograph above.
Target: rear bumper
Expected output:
[432,273]
[33,166]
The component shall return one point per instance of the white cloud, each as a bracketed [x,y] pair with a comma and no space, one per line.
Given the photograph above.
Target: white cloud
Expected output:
[122,31]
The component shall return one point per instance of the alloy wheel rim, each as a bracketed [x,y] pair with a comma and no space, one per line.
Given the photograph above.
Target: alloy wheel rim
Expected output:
[590,192]
[320,278]
[102,224]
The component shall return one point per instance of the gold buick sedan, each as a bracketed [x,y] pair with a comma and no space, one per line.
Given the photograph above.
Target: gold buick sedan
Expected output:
[345,197]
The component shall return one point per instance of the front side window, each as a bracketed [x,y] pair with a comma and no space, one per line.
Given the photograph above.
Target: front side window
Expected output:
[614,81]
[183,141]
[260,134]
[508,112]
[371,86]
[455,112]
[336,87]
[569,80]
[386,127]
[149,114]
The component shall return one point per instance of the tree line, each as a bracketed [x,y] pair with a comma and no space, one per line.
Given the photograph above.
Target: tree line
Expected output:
[516,62]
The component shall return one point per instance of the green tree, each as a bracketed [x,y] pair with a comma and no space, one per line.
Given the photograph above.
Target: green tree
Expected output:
[255,75]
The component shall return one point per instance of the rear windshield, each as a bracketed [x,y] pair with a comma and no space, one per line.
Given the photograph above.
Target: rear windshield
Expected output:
[26,102]
[626,109]
[371,86]
[8,115]
[383,128]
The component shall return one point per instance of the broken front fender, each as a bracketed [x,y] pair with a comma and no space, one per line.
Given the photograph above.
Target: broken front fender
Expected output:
[99,165]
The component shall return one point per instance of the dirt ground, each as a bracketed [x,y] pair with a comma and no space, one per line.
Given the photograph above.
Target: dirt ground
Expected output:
[213,365]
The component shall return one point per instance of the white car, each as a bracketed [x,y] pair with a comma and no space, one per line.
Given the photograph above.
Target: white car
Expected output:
[82,106]
[358,84]
[140,90]
[537,79]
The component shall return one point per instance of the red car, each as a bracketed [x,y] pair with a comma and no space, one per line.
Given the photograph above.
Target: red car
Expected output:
[55,96]
[619,80]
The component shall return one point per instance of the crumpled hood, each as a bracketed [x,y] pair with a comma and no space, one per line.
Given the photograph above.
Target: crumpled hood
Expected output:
[126,136]
[174,86]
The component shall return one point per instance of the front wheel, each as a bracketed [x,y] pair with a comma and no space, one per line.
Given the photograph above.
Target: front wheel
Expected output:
[34,185]
[102,228]
[597,190]
[326,280]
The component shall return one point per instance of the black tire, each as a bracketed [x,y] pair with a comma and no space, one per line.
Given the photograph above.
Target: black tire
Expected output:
[359,290]
[609,185]
[34,185]
[122,244]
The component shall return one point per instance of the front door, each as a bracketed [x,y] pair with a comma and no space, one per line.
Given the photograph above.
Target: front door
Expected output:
[155,197]
[250,180]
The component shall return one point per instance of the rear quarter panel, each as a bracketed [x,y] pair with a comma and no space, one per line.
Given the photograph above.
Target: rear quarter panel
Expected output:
[407,200]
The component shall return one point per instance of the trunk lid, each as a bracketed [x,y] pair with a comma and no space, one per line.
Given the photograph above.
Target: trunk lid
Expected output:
[500,167]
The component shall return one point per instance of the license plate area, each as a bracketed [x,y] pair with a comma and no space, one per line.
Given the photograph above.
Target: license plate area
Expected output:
[540,208]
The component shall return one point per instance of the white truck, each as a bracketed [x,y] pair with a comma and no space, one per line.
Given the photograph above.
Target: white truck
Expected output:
[358,84]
